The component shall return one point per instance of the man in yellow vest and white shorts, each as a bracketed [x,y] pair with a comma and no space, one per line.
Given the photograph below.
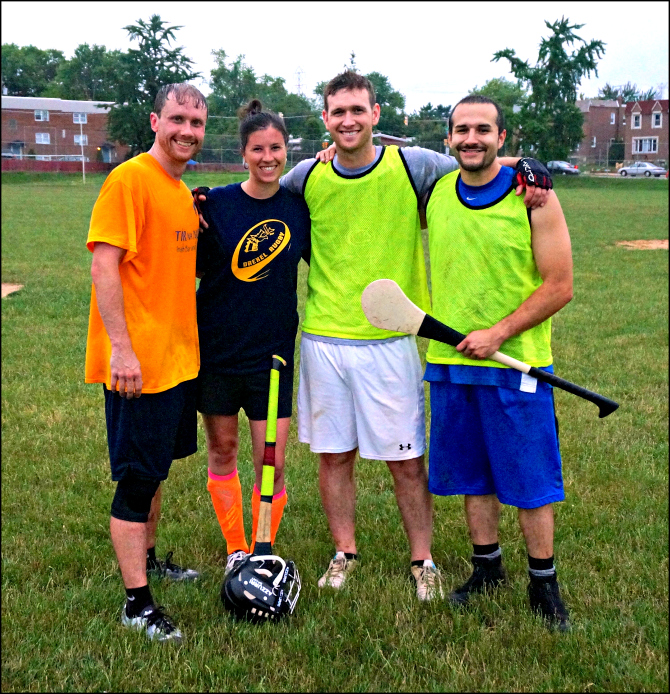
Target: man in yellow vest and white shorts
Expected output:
[499,272]
[360,387]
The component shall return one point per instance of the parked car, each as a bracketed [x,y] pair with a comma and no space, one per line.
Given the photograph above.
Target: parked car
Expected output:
[643,168]
[564,168]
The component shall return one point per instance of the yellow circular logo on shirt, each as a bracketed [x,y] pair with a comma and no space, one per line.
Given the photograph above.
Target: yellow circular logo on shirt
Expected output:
[257,248]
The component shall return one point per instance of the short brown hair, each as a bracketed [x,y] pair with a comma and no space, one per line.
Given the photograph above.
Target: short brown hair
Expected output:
[348,80]
[181,93]
[479,99]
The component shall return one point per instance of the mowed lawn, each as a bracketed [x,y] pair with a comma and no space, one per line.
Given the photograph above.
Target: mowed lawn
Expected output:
[61,589]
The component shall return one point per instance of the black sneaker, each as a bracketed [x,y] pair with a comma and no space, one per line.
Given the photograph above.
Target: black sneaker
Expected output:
[166,569]
[545,600]
[155,622]
[486,575]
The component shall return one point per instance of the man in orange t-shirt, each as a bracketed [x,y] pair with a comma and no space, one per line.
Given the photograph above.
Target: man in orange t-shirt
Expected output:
[143,338]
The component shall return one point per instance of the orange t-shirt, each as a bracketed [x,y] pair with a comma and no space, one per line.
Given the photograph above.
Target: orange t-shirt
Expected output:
[144,210]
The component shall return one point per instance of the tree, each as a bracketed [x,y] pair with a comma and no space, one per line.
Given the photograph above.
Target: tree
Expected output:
[511,97]
[91,75]
[628,92]
[142,72]
[392,103]
[27,70]
[550,121]
[428,126]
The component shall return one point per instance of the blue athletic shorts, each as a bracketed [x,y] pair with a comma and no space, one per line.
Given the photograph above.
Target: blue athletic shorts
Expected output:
[495,440]
[149,432]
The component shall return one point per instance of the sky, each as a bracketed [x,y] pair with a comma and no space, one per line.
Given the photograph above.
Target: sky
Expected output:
[430,51]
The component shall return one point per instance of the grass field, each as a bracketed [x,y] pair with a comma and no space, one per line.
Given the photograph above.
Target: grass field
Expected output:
[61,589]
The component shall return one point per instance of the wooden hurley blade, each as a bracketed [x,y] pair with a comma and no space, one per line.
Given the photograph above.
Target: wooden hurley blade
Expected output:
[385,306]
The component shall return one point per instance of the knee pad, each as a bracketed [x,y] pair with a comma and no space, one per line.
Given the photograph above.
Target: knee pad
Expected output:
[132,500]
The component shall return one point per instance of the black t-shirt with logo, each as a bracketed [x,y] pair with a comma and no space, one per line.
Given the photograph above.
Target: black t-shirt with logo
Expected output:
[247,301]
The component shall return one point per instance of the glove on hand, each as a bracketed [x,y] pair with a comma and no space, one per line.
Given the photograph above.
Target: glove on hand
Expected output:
[531,172]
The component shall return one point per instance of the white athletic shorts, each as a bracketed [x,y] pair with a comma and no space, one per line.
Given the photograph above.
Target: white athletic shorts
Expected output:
[368,397]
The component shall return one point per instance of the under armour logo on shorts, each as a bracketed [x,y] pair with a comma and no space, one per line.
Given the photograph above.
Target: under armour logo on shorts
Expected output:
[409,447]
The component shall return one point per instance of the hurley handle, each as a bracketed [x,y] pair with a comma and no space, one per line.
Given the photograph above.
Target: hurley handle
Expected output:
[435,330]
[263,543]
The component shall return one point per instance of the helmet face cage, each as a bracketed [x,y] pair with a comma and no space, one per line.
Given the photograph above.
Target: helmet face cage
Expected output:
[261,588]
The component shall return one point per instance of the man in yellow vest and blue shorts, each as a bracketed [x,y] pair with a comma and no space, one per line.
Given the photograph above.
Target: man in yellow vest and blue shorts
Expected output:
[361,388]
[499,272]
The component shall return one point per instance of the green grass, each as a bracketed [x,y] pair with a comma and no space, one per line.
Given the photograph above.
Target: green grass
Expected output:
[62,593]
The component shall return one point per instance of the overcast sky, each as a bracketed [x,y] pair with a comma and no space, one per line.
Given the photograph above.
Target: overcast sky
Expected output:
[431,52]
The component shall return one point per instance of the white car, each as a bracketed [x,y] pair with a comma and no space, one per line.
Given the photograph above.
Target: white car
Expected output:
[642,168]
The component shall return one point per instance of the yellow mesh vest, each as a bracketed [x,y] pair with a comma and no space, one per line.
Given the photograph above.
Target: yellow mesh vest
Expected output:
[482,269]
[363,229]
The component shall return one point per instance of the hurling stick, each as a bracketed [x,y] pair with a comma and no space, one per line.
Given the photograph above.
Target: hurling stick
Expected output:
[386,306]
[263,544]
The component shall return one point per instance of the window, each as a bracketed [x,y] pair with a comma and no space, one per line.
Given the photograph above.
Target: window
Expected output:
[42,139]
[79,118]
[645,145]
[64,133]
[81,139]
[656,120]
[637,121]
[612,118]
[12,124]
[41,115]
[593,141]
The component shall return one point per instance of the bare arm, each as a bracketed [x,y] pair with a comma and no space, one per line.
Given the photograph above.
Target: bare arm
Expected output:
[550,241]
[124,364]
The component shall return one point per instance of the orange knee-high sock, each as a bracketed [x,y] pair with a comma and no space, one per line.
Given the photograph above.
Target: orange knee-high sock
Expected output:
[226,493]
[278,504]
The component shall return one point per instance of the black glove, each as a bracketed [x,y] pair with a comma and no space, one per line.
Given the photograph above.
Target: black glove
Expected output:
[531,172]
[203,190]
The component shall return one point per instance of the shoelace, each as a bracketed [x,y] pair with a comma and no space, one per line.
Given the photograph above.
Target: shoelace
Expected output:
[158,618]
[169,566]
[337,566]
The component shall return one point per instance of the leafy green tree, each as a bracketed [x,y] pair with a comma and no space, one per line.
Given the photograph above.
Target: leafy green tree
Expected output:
[91,74]
[428,126]
[511,97]
[142,72]
[550,121]
[392,103]
[27,70]
[628,92]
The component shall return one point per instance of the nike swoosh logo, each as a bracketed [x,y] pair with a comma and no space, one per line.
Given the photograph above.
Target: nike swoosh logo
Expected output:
[467,198]
[131,598]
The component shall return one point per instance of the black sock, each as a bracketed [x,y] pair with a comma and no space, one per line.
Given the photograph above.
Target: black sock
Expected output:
[137,599]
[350,555]
[541,567]
[417,562]
[484,550]
[151,555]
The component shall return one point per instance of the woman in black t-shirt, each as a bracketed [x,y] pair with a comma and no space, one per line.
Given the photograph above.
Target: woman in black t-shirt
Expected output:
[248,261]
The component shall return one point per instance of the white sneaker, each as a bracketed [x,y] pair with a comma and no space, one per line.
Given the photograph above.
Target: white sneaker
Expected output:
[155,622]
[338,570]
[233,559]
[428,581]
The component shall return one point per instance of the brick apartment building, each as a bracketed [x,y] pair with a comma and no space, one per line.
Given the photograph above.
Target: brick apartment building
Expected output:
[55,129]
[647,131]
[642,127]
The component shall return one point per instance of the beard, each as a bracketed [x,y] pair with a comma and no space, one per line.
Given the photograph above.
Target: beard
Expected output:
[486,161]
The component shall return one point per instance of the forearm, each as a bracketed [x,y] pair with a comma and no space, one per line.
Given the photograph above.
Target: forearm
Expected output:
[109,295]
[509,161]
[543,303]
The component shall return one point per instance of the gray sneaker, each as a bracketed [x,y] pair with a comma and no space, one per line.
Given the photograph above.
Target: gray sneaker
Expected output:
[156,623]
[428,581]
[233,558]
[338,570]
[166,569]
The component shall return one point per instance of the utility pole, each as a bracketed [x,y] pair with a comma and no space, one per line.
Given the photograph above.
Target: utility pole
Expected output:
[81,144]
[299,73]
